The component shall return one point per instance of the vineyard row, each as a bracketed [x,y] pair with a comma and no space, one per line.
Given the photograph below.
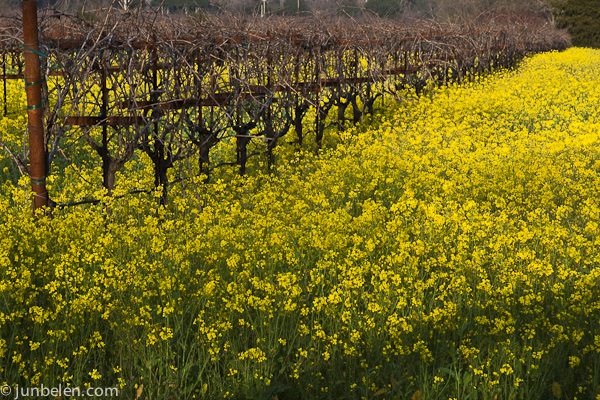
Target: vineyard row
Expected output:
[175,89]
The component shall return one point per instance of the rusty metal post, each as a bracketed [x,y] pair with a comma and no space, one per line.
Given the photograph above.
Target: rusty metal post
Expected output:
[33,89]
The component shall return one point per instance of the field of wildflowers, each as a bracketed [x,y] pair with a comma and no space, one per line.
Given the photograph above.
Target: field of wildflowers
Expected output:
[449,250]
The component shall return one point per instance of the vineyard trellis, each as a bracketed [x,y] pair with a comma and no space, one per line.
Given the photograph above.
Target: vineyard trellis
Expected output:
[175,88]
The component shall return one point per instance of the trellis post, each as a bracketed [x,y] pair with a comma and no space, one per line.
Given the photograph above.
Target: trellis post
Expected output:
[4,80]
[33,89]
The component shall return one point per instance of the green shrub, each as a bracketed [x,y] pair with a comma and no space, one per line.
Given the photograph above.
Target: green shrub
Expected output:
[582,19]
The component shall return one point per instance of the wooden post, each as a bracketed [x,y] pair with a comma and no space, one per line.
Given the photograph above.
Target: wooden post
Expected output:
[269,133]
[160,164]
[4,73]
[33,89]
[108,176]
[298,111]
[200,105]
[319,132]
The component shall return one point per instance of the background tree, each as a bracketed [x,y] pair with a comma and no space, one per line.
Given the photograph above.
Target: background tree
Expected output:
[386,8]
[9,5]
[469,9]
[291,7]
[441,9]
[350,7]
[582,19]
[182,5]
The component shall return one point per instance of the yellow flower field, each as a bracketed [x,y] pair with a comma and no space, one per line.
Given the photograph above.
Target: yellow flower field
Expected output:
[449,250]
